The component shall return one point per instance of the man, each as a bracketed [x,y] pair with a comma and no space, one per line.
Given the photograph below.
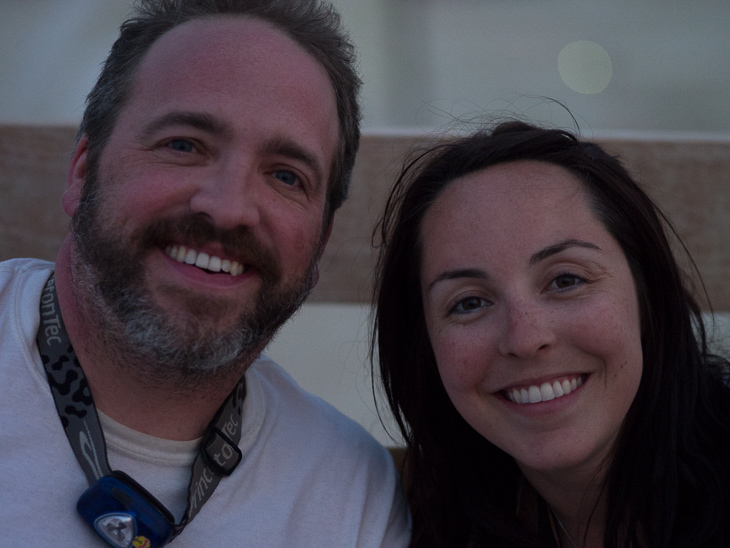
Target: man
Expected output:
[213,152]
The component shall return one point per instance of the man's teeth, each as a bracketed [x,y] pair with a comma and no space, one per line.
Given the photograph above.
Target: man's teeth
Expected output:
[202,260]
[545,392]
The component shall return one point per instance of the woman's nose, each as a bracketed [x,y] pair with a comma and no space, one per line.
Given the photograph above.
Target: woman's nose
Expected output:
[528,329]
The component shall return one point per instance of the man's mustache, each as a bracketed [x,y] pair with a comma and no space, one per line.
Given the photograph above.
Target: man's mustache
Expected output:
[196,230]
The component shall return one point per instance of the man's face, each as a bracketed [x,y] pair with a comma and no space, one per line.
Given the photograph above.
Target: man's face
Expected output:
[205,223]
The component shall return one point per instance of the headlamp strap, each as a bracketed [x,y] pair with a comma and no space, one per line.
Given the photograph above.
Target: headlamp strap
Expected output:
[218,455]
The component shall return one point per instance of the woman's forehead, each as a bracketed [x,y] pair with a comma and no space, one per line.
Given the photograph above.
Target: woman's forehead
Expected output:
[507,190]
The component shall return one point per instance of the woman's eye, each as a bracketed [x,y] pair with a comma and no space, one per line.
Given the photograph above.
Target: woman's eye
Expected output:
[469,304]
[286,177]
[181,145]
[566,281]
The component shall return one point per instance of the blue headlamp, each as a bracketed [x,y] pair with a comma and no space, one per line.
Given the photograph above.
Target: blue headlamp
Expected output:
[125,514]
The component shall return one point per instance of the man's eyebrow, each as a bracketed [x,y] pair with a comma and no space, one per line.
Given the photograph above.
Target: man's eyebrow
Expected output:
[459,273]
[201,121]
[560,246]
[290,149]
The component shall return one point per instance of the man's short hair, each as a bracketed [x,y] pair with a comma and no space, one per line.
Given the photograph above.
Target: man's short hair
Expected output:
[313,24]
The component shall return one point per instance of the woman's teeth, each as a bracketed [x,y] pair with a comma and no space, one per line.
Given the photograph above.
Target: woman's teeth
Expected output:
[545,392]
[202,260]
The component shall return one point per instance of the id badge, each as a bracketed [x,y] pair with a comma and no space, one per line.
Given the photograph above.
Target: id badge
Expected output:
[124,514]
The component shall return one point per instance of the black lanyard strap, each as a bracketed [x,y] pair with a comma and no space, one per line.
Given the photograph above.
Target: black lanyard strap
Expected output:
[218,455]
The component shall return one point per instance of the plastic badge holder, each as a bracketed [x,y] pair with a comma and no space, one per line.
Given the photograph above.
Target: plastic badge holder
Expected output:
[125,514]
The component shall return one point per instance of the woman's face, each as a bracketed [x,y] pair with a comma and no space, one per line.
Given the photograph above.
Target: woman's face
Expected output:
[532,313]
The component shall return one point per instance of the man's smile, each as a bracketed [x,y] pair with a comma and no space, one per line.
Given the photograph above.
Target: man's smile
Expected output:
[211,263]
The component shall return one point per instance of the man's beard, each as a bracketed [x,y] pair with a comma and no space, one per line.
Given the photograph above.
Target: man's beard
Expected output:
[184,348]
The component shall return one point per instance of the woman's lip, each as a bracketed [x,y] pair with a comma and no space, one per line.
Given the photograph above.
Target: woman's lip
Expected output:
[544,391]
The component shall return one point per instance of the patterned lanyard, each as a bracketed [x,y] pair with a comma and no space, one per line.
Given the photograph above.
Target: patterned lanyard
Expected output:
[121,511]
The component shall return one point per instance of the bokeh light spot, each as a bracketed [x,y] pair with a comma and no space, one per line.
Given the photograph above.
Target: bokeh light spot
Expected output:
[585,67]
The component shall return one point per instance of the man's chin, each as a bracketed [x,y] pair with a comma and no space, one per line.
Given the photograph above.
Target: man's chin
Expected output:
[180,351]
[215,312]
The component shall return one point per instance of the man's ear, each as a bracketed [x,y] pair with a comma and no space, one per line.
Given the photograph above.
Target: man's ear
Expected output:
[76,177]
[326,237]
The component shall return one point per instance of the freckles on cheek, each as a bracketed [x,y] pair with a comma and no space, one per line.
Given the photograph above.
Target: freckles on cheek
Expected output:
[457,368]
[605,336]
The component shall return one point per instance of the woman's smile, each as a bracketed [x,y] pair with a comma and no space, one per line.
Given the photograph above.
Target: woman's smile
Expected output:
[545,391]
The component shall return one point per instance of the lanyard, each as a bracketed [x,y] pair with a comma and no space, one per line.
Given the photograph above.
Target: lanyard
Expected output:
[119,509]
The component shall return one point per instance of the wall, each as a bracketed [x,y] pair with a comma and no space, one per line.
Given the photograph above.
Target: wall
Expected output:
[423,62]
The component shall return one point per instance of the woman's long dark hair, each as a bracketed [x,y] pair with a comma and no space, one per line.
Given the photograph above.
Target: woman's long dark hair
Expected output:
[668,481]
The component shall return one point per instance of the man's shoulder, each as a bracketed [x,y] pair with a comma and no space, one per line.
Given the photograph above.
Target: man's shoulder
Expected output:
[304,411]
[291,397]
[22,273]
[23,267]
[310,447]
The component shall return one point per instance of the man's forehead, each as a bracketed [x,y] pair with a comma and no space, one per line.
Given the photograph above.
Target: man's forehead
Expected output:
[209,53]
[242,34]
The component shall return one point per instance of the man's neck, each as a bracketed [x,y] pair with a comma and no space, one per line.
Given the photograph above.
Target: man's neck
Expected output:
[151,408]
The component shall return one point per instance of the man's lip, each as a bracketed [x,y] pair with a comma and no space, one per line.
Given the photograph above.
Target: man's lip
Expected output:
[546,390]
[210,262]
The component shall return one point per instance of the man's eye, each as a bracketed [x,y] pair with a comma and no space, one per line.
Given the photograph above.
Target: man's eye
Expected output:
[286,177]
[181,145]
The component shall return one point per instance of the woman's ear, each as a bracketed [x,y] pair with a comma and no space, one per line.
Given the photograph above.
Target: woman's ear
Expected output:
[76,177]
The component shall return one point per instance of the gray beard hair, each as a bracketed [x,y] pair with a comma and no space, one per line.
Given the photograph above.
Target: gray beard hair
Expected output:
[148,347]
[148,343]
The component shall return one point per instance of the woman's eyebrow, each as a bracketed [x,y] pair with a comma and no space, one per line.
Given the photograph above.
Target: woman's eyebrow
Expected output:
[534,259]
[458,273]
[560,246]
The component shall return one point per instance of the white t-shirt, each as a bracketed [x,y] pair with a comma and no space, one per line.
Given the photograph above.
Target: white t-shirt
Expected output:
[309,475]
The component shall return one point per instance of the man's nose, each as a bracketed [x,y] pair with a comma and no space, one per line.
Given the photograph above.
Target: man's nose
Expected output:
[527,330]
[230,197]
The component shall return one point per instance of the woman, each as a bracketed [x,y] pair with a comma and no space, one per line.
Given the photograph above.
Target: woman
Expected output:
[543,358]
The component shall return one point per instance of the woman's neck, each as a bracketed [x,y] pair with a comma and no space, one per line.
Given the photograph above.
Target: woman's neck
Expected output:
[577,502]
